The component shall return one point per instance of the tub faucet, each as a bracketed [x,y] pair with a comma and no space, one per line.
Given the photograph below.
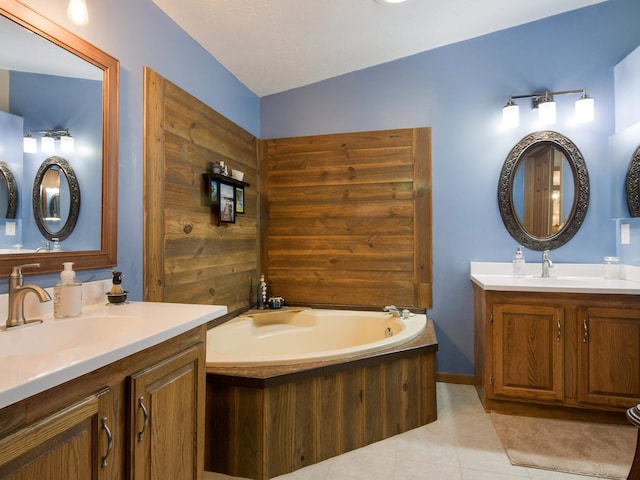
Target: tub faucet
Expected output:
[546,264]
[393,310]
[17,292]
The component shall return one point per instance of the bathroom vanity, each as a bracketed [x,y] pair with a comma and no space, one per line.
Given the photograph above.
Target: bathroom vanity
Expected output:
[116,393]
[568,345]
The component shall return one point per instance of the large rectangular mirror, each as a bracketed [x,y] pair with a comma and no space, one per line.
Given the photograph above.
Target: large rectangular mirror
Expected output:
[93,243]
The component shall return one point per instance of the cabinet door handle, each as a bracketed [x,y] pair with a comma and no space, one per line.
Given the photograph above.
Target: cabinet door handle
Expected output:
[585,334]
[109,442]
[145,415]
[559,331]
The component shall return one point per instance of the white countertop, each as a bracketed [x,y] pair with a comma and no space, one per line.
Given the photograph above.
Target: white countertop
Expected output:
[37,357]
[565,278]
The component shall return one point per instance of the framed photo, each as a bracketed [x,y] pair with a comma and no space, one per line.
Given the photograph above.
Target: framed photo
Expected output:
[227,203]
[214,192]
[239,199]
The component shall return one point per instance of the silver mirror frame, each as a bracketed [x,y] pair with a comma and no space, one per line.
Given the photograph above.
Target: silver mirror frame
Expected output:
[632,184]
[12,190]
[581,197]
[74,201]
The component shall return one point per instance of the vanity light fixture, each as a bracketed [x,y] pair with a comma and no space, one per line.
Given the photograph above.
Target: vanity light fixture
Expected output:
[47,142]
[546,106]
[77,12]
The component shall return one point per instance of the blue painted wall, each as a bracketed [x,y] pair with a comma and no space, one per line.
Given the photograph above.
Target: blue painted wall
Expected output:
[459,90]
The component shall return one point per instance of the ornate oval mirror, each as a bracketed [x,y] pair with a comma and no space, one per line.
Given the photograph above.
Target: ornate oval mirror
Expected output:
[632,184]
[543,192]
[8,192]
[56,198]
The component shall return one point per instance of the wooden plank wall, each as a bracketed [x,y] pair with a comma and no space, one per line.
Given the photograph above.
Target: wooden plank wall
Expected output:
[188,257]
[349,218]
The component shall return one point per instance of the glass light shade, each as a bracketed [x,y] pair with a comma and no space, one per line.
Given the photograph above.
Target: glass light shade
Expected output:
[48,144]
[511,115]
[29,144]
[584,109]
[547,113]
[66,144]
[77,12]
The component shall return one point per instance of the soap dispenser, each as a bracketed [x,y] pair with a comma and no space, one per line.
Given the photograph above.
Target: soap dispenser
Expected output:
[518,263]
[67,295]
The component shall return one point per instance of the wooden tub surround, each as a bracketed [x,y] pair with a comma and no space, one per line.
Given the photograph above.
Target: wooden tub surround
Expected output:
[265,421]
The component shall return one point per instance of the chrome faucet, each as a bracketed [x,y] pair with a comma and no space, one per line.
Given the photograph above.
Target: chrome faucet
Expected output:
[44,248]
[17,292]
[393,310]
[546,264]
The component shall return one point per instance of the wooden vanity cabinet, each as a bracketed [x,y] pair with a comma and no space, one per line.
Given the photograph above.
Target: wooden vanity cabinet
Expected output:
[60,433]
[73,443]
[542,351]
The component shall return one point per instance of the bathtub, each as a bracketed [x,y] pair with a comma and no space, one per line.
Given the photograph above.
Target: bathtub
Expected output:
[290,388]
[281,337]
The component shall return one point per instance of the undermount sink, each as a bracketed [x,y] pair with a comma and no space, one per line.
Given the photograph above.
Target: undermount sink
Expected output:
[63,337]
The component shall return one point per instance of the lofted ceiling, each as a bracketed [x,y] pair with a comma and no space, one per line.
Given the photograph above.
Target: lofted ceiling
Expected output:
[275,45]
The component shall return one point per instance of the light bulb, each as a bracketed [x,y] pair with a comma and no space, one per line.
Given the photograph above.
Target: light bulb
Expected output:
[66,144]
[547,113]
[29,144]
[584,109]
[77,12]
[511,115]
[48,144]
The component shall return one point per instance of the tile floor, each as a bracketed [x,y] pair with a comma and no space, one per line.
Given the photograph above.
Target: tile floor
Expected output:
[461,445]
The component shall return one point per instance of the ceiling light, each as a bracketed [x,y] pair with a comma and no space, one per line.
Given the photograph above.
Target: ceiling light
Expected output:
[77,12]
[390,2]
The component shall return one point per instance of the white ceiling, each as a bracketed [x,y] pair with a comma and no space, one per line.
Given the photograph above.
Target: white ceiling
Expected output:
[276,45]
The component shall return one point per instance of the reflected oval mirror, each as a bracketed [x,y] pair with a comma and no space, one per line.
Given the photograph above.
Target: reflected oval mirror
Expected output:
[543,191]
[56,199]
[8,192]
[632,184]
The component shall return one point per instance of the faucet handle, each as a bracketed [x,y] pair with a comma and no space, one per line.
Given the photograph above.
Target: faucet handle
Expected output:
[16,272]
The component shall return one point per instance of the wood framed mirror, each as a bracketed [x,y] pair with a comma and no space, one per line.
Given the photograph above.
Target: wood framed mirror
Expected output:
[543,191]
[106,255]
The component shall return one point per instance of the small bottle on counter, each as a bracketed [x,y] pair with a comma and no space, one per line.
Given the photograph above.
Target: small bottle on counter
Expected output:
[262,293]
[67,295]
[518,263]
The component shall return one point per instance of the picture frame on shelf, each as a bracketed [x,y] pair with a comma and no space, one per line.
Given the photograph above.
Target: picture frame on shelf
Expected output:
[213,191]
[227,202]
[240,200]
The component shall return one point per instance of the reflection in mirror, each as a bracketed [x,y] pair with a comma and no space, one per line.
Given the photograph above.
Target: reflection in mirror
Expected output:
[543,191]
[56,199]
[8,192]
[39,33]
[632,184]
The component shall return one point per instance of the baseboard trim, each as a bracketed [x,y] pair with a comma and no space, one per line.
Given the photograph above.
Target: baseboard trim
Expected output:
[459,378]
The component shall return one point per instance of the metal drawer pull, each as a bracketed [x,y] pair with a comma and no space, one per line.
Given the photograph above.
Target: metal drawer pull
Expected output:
[585,335]
[559,331]
[109,442]
[146,418]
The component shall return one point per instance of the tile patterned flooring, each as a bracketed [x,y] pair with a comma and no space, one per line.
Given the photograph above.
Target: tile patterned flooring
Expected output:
[461,445]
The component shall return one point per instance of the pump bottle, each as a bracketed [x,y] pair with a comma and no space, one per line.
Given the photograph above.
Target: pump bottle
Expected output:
[518,263]
[67,295]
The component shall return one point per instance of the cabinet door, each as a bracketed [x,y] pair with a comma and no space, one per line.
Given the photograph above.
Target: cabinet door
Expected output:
[167,418]
[528,351]
[609,356]
[71,444]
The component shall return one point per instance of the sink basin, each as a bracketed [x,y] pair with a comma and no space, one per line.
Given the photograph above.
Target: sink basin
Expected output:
[64,337]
